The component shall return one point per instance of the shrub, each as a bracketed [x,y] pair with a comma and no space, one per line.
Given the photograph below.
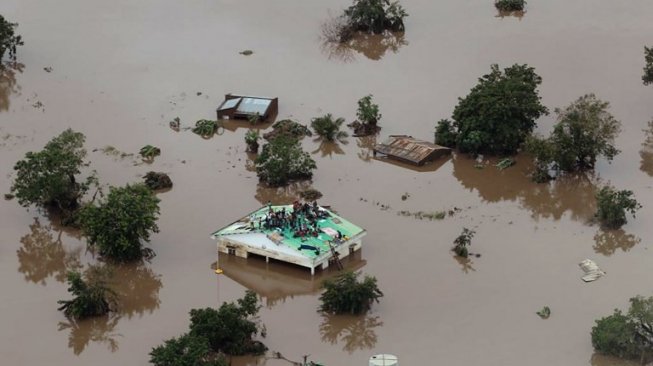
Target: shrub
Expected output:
[499,112]
[462,242]
[328,128]
[92,297]
[288,128]
[119,225]
[205,128]
[49,178]
[157,180]
[376,16]
[445,133]
[345,294]
[647,78]
[9,41]
[148,152]
[283,160]
[612,206]
[368,112]
[510,5]
[186,350]
[251,139]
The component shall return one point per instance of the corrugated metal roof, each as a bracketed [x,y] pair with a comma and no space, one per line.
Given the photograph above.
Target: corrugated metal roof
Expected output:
[409,148]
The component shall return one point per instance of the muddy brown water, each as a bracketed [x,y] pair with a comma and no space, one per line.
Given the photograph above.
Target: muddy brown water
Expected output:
[121,70]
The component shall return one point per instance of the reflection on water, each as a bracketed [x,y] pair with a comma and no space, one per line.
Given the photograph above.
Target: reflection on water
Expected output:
[283,195]
[42,255]
[516,14]
[97,330]
[607,242]
[572,193]
[603,360]
[233,124]
[8,84]
[366,144]
[372,46]
[428,167]
[466,264]
[353,332]
[328,148]
[646,153]
[276,281]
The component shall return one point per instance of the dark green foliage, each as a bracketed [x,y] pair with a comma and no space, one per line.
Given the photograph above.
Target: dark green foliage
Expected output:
[376,16]
[627,336]
[368,112]
[648,67]
[545,313]
[48,178]
[544,153]
[148,152]
[462,242]
[230,328]
[157,180]
[186,350]
[346,295]
[288,128]
[9,40]
[119,225]
[205,128]
[510,5]
[445,133]
[499,112]
[328,128]
[612,206]
[251,139]
[283,160]
[92,297]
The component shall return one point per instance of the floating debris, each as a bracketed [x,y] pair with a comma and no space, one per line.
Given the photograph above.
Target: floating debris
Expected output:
[545,313]
[175,124]
[505,163]
[157,180]
[591,269]
[47,69]
[421,215]
[9,196]
[112,151]
[246,52]
[405,196]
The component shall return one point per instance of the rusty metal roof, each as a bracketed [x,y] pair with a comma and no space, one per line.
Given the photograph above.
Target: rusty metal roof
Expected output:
[409,149]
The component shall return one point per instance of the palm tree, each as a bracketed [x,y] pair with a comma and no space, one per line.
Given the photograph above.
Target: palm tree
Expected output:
[328,128]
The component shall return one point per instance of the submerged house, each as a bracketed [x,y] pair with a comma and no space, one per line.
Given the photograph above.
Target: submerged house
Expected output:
[410,150]
[310,236]
[248,107]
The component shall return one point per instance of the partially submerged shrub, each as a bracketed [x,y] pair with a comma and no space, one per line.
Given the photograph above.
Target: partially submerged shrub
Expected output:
[283,160]
[9,40]
[462,242]
[445,133]
[186,350]
[368,117]
[288,128]
[346,295]
[148,152]
[376,16]
[205,128]
[310,194]
[328,128]
[92,297]
[251,139]
[612,206]
[510,5]
[157,180]
[647,78]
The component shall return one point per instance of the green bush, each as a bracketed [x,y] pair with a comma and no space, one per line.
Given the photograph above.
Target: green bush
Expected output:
[462,242]
[148,152]
[288,128]
[376,16]
[186,350]
[445,133]
[647,78]
[499,112]
[612,206]
[92,297]
[205,128]
[510,5]
[9,40]
[251,140]
[328,128]
[157,180]
[283,160]
[119,224]
[345,294]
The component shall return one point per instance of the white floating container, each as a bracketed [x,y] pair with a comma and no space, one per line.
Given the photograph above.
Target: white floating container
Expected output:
[384,360]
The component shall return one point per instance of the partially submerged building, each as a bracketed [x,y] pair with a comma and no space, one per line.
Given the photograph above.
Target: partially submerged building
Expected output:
[410,150]
[310,236]
[248,107]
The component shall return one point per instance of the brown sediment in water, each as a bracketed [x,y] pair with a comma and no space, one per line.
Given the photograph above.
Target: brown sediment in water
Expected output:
[123,70]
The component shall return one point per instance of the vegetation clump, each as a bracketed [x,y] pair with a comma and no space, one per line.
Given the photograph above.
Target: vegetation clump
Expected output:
[585,131]
[119,225]
[346,295]
[206,128]
[462,242]
[510,5]
[647,78]
[251,140]
[498,113]
[157,180]
[376,16]
[148,152]
[288,128]
[328,128]
[50,178]
[612,206]
[9,40]
[92,297]
[368,117]
[283,160]
[310,194]
[628,336]
[186,350]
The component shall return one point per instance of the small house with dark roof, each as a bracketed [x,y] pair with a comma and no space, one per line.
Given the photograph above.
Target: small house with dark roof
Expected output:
[248,107]
[410,150]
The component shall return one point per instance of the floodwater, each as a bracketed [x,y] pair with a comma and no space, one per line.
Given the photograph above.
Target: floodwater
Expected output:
[119,71]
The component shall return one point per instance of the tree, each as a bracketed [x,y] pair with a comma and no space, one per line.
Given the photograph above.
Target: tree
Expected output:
[48,178]
[345,294]
[230,328]
[376,16]
[148,152]
[282,160]
[612,206]
[328,128]
[9,40]
[445,133]
[462,242]
[186,350]
[510,5]
[119,225]
[499,112]
[647,78]
[92,297]
[627,336]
